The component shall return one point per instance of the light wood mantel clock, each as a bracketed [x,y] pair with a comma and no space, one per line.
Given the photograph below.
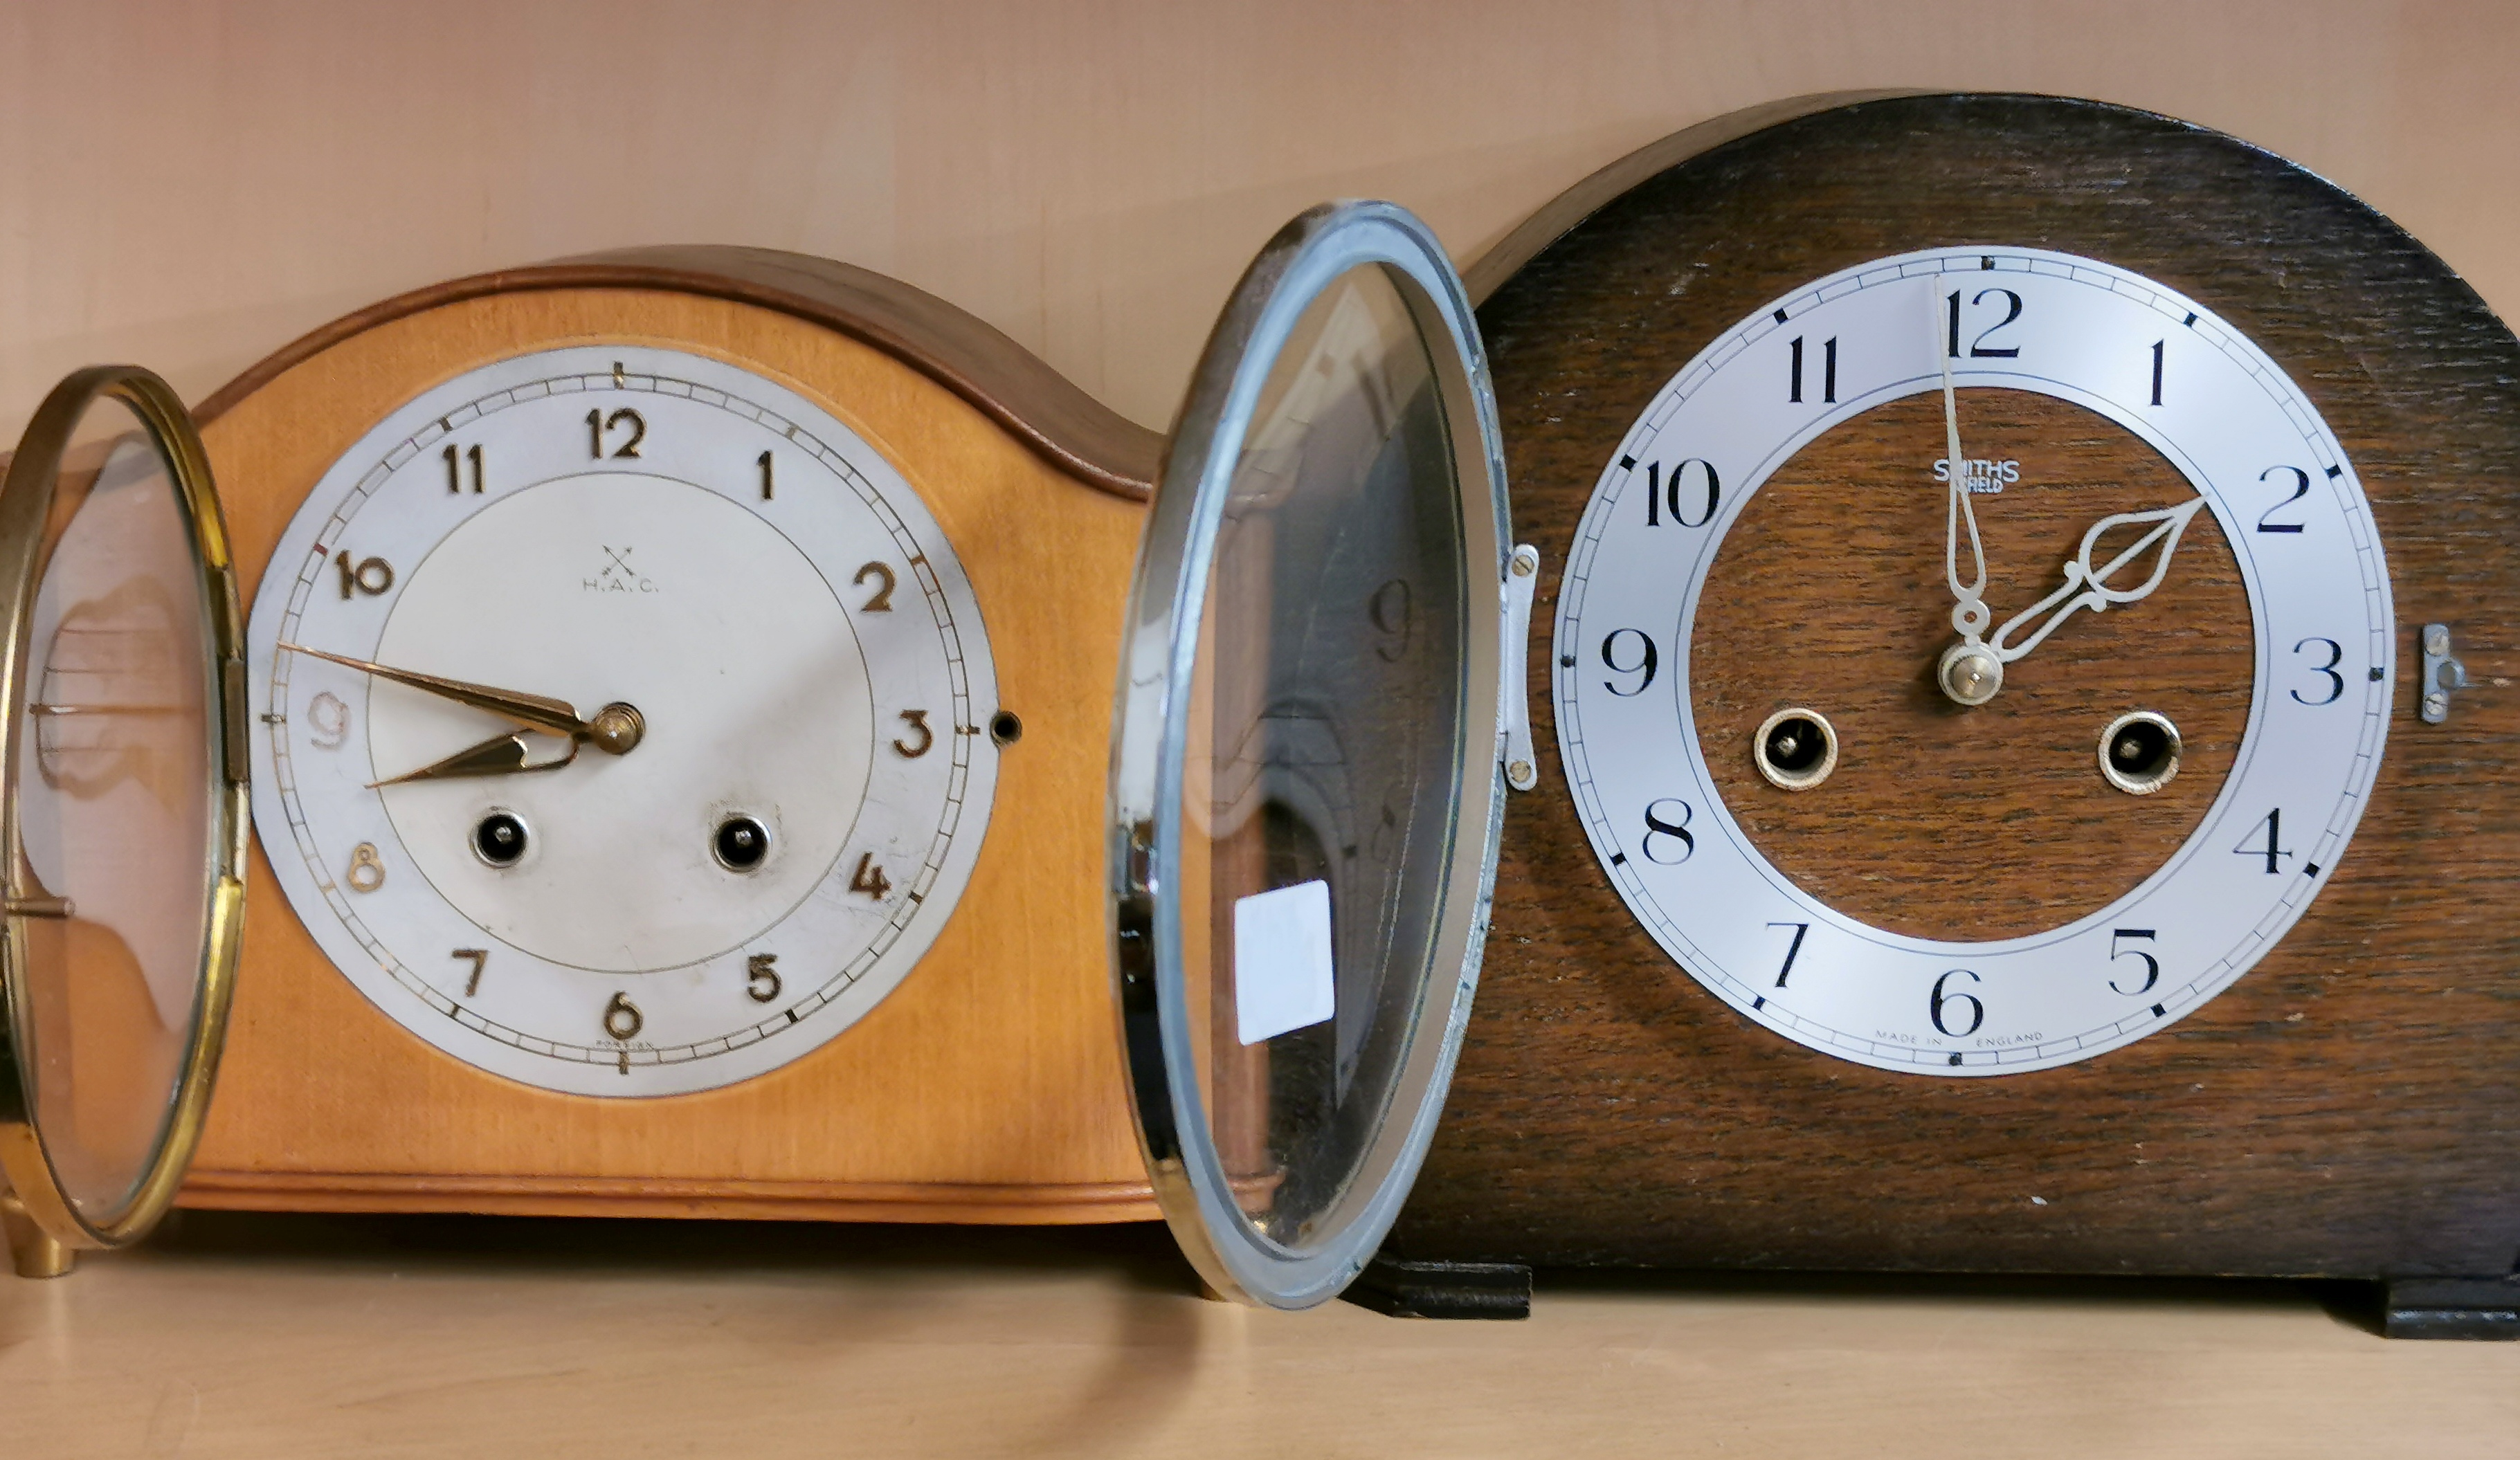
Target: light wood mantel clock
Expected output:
[731,735]
[664,966]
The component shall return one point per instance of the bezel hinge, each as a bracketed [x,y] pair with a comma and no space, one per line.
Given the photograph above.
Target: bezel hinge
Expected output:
[1513,698]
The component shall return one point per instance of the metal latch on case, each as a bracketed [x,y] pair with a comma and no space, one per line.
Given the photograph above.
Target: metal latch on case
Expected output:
[2442,674]
[1514,698]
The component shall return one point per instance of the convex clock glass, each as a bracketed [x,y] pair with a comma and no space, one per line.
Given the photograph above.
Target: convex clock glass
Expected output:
[124,812]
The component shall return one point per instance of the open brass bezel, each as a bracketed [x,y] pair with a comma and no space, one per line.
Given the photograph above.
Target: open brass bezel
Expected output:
[32,521]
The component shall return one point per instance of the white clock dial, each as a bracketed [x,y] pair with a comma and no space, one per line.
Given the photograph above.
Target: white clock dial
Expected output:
[630,527]
[1652,787]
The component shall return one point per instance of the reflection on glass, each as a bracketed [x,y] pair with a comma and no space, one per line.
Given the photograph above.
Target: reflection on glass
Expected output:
[1324,742]
[114,782]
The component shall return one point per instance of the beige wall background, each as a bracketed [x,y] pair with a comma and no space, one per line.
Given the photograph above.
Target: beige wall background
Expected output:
[191,185]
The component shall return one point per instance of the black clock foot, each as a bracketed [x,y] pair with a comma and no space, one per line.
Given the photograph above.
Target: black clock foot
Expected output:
[2453,1308]
[1443,1290]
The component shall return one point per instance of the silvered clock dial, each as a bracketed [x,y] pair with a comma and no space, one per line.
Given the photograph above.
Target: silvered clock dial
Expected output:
[626,721]
[2003,557]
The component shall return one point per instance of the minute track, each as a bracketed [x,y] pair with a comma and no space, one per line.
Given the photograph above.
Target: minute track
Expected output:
[541,1018]
[1603,588]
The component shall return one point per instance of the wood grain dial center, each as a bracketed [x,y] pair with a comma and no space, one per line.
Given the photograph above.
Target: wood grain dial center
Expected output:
[1942,821]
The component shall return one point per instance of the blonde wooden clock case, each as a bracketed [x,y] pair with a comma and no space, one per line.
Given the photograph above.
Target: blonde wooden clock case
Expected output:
[987,1087]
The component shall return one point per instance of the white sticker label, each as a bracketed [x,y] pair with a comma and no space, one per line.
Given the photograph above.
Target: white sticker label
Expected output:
[1281,961]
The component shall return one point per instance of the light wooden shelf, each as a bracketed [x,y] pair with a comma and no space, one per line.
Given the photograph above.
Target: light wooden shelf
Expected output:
[275,1338]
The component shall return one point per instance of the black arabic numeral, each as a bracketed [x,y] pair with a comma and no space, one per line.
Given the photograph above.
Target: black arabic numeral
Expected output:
[2335,680]
[1792,950]
[1827,373]
[1661,494]
[2274,851]
[1942,1000]
[1647,659]
[1979,349]
[2151,965]
[1656,826]
[2156,369]
[2299,489]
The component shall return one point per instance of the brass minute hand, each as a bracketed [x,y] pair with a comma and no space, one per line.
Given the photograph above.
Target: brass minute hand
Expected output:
[614,730]
[541,712]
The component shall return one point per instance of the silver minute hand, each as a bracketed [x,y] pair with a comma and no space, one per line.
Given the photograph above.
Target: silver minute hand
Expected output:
[1969,613]
[2088,586]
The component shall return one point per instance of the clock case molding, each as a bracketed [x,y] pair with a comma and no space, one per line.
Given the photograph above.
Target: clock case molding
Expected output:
[988,1087]
[2350,1107]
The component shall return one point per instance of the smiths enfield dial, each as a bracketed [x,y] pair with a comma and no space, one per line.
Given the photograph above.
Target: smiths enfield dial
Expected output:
[622,721]
[2017,559]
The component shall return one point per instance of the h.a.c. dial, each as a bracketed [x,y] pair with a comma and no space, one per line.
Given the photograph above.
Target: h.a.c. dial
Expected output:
[1976,762]
[625,720]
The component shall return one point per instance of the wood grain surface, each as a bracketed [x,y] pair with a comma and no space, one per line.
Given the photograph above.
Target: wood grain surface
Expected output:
[2352,1105]
[986,1087]
[1970,825]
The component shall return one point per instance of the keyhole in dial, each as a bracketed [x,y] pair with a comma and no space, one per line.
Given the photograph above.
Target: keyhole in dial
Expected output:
[1796,749]
[2139,752]
[741,843]
[499,839]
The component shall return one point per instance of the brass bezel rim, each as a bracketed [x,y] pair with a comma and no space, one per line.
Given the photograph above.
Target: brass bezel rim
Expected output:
[26,504]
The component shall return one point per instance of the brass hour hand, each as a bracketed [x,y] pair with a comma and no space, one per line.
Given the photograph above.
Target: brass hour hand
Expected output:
[500,755]
[615,729]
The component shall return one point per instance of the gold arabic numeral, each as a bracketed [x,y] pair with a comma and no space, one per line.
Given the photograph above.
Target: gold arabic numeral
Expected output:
[367,873]
[598,425]
[480,958]
[869,878]
[623,1019]
[882,602]
[916,720]
[766,479]
[454,476]
[371,576]
[760,980]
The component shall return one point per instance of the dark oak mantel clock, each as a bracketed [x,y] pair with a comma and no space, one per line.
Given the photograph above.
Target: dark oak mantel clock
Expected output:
[2027,764]
[677,691]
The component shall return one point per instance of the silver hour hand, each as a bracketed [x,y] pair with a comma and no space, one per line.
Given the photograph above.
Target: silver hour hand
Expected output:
[2088,586]
[500,755]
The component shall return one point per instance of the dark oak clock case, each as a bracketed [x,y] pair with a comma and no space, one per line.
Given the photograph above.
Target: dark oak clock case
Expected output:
[2350,1107]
